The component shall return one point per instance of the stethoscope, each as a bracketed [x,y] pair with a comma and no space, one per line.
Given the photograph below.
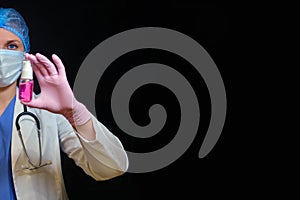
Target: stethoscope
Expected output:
[32,165]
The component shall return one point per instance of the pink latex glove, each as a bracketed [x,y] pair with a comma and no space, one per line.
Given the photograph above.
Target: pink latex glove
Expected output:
[56,94]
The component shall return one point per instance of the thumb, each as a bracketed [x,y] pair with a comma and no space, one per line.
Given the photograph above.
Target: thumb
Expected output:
[34,103]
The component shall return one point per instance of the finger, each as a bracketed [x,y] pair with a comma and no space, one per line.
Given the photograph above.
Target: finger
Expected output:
[27,56]
[36,69]
[47,64]
[60,66]
[37,65]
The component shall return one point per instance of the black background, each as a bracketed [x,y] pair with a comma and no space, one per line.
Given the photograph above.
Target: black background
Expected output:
[239,166]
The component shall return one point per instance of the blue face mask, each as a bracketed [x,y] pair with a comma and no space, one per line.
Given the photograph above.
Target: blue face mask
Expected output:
[11,63]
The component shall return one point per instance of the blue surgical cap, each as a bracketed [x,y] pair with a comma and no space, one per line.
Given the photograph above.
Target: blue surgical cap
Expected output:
[12,21]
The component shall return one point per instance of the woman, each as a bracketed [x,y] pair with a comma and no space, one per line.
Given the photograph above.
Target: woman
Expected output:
[65,123]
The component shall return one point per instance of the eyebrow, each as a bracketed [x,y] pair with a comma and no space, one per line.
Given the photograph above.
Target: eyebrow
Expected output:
[9,41]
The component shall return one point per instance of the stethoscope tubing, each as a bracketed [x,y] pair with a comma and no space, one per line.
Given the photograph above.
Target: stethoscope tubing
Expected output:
[25,112]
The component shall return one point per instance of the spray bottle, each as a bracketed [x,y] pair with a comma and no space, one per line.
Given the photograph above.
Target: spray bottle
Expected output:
[26,82]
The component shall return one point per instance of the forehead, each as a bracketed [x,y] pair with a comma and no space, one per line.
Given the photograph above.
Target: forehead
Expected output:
[6,35]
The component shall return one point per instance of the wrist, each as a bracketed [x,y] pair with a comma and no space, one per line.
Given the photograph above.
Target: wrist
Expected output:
[78,114]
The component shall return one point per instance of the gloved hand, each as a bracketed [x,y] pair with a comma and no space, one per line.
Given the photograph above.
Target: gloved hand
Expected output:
[56,94]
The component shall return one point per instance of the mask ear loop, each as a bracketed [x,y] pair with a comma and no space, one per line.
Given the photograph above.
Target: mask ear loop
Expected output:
[21,138]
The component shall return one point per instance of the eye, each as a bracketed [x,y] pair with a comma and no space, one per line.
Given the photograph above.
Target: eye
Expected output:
[12,46]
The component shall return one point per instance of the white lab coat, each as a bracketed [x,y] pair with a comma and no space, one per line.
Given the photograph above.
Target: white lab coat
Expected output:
[102,159]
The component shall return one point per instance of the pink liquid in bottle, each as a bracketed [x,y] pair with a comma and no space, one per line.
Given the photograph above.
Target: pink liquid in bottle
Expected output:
[25,90]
